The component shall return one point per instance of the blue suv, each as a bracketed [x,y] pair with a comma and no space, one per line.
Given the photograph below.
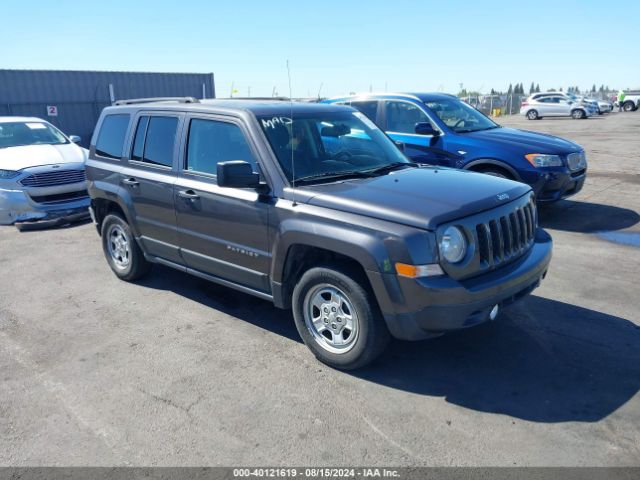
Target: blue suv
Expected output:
[440,129]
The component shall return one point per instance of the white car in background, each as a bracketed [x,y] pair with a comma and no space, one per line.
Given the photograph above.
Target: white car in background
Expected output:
[42,177]
[553,104]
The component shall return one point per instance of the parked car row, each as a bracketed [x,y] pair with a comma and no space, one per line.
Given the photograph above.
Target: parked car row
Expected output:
[362,214]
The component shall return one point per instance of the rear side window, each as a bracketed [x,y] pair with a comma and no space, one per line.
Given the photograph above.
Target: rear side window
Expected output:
[369,108]
[155,140]
[110,142]
[212,142]
[138,143]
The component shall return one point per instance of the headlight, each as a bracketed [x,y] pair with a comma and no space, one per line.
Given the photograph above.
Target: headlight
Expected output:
[453,245]
[8,174]
[543,160]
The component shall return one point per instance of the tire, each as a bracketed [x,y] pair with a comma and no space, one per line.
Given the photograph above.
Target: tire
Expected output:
[578,114]
[628,106]
[121,249]
[494,172]
[532,115]
[349,331]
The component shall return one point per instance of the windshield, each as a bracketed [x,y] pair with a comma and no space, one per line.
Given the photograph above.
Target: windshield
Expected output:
[330,145]
[459,116]
[17,134]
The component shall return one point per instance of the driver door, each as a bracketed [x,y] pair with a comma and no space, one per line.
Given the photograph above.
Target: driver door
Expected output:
[399,119]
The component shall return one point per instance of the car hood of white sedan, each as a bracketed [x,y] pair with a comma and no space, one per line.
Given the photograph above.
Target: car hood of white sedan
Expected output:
[17,158]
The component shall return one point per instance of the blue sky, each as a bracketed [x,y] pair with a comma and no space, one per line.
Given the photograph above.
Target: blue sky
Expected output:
[343,45]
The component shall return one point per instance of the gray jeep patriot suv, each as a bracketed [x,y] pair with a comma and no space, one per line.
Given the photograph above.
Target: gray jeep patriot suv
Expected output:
[315,209]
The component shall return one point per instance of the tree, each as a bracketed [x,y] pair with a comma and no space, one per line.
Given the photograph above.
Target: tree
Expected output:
[537,87]
[510,91]
[593,89]
[532,88]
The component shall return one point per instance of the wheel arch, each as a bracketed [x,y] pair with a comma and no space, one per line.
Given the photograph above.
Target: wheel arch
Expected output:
[298,252]
[104,206]
[476,165]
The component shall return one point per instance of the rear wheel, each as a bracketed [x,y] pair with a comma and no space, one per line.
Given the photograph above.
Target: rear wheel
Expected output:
[338,318]
[121,249]
[577,114]
[532,115]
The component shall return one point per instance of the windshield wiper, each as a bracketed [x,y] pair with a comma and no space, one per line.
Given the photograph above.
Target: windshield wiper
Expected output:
[391,166]
[469,130]
[336,175]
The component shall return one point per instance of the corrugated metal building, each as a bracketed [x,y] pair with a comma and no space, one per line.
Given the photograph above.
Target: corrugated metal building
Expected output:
[72,100]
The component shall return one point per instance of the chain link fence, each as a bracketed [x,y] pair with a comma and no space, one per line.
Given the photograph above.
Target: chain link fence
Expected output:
[497,104]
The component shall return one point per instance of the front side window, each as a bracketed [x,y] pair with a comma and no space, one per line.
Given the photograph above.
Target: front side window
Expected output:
[212,142]
[458,116]
[402,117]
[328,145]
[155,140]
[110,142]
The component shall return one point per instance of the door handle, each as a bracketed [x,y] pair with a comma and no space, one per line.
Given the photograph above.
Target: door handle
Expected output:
[131,182]
[188,194]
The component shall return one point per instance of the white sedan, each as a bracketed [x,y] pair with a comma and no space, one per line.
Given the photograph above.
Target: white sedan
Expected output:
[42,177]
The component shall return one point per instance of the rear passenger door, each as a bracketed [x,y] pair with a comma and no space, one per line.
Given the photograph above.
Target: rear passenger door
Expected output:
[223,231]
[148,179]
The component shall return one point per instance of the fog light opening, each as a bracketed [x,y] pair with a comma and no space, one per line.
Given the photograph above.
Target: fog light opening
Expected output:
[494,312]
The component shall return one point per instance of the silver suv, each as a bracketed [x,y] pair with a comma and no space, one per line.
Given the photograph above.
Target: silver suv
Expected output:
[552,104]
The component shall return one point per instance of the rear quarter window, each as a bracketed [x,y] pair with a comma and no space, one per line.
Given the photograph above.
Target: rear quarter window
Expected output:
[110,143]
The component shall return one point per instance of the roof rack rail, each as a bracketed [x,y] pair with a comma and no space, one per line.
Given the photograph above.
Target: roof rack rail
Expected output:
[133,101]
[275,99]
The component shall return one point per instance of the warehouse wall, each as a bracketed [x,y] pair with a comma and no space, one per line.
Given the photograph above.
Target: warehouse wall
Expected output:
[80,96]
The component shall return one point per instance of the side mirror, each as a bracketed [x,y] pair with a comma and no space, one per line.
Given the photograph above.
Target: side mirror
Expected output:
[237,174]
[425,128]
[75,139]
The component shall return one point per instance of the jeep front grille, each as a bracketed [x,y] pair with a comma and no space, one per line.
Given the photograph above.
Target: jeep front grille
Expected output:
[52,179]
[496,237]
[506,237]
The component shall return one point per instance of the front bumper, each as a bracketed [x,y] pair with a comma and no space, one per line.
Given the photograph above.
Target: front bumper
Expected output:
[430,306]
[17,208]
[556,185]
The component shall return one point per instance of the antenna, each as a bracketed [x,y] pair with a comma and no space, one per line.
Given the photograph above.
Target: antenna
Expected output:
[293,166]
[320,89]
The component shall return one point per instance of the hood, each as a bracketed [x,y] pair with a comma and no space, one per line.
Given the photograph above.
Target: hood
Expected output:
[524,141]
[420,197]
[17,158]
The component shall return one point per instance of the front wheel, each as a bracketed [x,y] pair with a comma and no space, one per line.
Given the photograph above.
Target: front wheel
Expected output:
[121,249]
[628,106]
[338,318]
[577,114]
